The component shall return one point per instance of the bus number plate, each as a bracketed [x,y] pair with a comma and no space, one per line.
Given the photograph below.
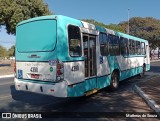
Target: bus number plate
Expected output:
[34,69]
[35,76]
[75,68]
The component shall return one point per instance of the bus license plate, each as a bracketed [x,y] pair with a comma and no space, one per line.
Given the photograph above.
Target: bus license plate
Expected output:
[35,76]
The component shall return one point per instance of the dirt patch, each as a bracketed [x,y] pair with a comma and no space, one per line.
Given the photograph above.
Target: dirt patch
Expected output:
[6,67]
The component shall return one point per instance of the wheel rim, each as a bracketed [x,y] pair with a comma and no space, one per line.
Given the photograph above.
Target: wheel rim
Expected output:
[115,81]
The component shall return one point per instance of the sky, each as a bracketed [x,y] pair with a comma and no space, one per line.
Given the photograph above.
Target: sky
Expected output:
[105,11]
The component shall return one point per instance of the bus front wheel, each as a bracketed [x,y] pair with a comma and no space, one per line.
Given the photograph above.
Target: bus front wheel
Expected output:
[114,81]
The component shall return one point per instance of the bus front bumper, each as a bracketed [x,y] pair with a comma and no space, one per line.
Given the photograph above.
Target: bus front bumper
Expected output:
[56,89]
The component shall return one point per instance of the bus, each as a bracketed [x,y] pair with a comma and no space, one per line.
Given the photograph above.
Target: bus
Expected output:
[64,57]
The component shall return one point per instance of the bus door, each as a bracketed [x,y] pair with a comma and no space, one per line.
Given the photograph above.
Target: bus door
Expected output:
[89,46]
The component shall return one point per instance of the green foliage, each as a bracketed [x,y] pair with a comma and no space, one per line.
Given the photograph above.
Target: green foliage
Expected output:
[115,27]
[110,26]
[7,53]
[14,11]
[3,51]
[146,28]
[11,51]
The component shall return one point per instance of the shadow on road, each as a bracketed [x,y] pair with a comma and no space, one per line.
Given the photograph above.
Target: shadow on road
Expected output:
[155,69]
[39,102]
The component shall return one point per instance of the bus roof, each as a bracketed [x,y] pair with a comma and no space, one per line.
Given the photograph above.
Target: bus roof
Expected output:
[130,37]
[99,28]
[37,18]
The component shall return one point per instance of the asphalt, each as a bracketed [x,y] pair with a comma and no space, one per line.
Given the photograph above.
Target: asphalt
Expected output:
[148,89]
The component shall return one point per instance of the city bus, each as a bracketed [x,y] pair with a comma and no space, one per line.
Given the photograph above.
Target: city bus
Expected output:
[65,57]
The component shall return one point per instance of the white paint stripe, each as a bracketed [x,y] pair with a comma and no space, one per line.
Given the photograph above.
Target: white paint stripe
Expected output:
[152,104]
[88,25]
[6,76]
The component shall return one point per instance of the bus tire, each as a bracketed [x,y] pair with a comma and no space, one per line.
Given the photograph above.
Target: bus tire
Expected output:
[143,71]
[114,81]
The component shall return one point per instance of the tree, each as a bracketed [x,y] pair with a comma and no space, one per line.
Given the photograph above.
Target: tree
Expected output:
[3,51]
[11,51]
[14,11]
[115,27]
[147,28]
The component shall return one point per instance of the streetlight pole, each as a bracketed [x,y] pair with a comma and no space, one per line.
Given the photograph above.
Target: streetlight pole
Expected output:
[128,19]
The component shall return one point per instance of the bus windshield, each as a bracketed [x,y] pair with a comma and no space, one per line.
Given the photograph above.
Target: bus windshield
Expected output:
[36,36]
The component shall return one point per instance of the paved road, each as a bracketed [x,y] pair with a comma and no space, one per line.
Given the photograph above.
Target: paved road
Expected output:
[122,100]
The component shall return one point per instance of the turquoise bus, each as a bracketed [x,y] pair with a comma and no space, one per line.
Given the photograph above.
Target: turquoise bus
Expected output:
[65,57]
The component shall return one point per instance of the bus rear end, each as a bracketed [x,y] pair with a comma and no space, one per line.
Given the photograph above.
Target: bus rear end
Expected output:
[37,67]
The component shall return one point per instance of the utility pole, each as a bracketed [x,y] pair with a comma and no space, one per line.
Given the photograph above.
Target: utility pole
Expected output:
[128,20]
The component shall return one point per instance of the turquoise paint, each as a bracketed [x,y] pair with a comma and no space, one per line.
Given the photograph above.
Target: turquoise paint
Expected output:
[101,29]
[36,36]
[131,37]
[76,90]
[37,81]
[113,63]
[90,84]
[103,81]
[81,88]
[148,66]
[131,72]
[37,18]
[60,40]
[44,56]
[62,33]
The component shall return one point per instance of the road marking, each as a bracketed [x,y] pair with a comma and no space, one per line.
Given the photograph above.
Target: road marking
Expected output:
[7,76]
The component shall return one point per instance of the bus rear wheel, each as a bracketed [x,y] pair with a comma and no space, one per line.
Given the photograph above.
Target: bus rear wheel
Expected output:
[114,81]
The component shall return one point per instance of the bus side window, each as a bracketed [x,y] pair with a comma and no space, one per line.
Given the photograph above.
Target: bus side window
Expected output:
[143,52]
[124,45]
[130,46]
[133,47]
[74,38]
[138,47]
[103,38]
[114,45]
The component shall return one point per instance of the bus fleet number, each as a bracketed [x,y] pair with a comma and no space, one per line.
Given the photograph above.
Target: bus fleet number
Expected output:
[34,69]
[75,68]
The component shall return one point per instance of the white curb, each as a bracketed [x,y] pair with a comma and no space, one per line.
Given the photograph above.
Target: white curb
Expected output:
[6,76]
[152,104]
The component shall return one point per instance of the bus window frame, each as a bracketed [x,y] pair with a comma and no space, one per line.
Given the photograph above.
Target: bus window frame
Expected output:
[143,48]
[107,43]
[124,44]
[114,46]
[81,53]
